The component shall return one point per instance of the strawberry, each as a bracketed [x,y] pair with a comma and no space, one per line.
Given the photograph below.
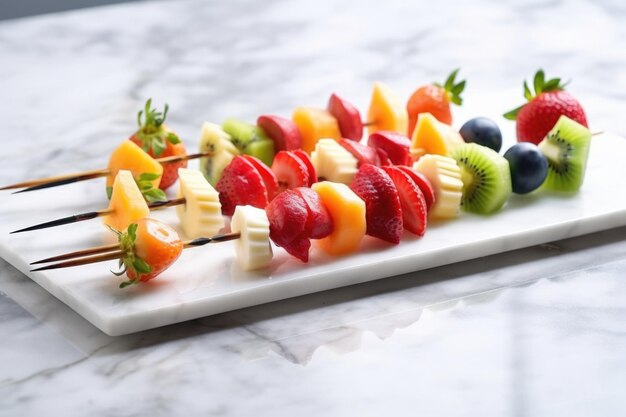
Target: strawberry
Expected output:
[269,179]
[412,200]
[549,102]
[240,185]
[306,159]
[423,183]
[148,248]
[282,131]
[395,145]
[435,99]
[383,211]
[364,154]
[348,117]
[290,171]
[159,141]
[288,214]
[319,224]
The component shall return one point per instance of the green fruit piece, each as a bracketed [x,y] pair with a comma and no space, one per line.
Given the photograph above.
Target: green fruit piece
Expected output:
[250,140]
[486,178]
[566,147]
[218,143]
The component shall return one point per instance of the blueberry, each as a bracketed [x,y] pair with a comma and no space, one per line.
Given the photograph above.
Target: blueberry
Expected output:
[529,167]
[482,131]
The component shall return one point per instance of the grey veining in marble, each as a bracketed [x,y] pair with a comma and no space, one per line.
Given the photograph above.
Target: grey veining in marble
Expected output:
[536,332]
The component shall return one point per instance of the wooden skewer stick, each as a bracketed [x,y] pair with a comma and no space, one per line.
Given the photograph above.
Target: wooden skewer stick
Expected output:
[110,252]
[93,214]
[42,183]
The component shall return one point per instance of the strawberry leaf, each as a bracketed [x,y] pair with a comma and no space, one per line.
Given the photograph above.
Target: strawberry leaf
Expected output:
[129,283]
[539,81]
[109,192]
[452,88]
[141,266]
[173,138]
[148,176]
[512,115]
[527,93]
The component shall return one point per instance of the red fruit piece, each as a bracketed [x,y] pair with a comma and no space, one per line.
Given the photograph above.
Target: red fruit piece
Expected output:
[395,145]
[282,131]
[290,171]
[240,185]
[304,157]
[413,203]
[383,211]
[423,183]
[363,154]
[348,117]
[319,223]
[549,102]
[159,141]
[288,214]
[382,156]
[269,179]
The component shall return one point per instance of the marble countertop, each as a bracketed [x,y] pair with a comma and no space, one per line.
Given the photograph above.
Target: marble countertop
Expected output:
[534,332]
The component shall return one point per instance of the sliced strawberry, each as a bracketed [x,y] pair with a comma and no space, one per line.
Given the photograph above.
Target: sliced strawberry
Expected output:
[413,203]
[383,211]
[319,223]
[395,145]
[363,154]
[290,171]
[382,156]
[348,117]
[304,157]
[271,183]
[282,131]
[423,183]
[288,214]
[240,185]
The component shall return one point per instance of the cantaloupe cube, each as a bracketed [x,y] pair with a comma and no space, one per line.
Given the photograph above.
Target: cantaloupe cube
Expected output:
[127,202]
[386,111]
[433,136]
[131,157]
[348,213]
[315,124]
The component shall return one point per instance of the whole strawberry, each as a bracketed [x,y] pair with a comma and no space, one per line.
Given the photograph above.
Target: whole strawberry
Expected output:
[159,141]
[435,99]
[549,102]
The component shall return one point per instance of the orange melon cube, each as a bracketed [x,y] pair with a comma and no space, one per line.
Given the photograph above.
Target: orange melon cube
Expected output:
[127,203]
[433,136]
[386,111]
[131,157]
[348,213]
[315,124]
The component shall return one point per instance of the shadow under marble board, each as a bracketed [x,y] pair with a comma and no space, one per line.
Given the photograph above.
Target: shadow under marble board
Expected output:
[207,281]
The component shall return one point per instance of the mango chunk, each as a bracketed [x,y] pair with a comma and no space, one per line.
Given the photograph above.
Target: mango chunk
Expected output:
[386,111]
[315,124]
[127,203]
[433,136]
[131,157]
[348,213]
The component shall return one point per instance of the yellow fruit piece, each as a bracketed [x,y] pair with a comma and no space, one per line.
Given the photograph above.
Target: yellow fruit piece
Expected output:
[348,213]
[253,247]
[201,215]
[445,177]
[386,111]
[332,162]
[433,136]
[131,157]
[315,124]
[127,202]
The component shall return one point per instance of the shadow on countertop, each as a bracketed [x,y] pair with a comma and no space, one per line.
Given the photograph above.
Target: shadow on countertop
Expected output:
[25,8]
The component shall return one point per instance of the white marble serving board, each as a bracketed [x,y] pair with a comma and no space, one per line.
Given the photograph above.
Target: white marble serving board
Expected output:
[207,281]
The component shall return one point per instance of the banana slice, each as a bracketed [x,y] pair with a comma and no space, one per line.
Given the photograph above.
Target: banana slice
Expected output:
[333,162]
[201,215]
[214,140]
[445,177]
[253,248]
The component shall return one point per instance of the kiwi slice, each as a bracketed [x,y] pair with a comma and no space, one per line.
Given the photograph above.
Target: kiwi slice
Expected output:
[486,178]
[566,147]
[250,140]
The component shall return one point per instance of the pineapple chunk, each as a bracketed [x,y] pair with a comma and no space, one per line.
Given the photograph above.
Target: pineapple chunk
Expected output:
[201,215]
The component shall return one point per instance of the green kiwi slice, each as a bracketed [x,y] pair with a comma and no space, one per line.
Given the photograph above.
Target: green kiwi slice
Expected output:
[250,140]
[486,178]
[566,147]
